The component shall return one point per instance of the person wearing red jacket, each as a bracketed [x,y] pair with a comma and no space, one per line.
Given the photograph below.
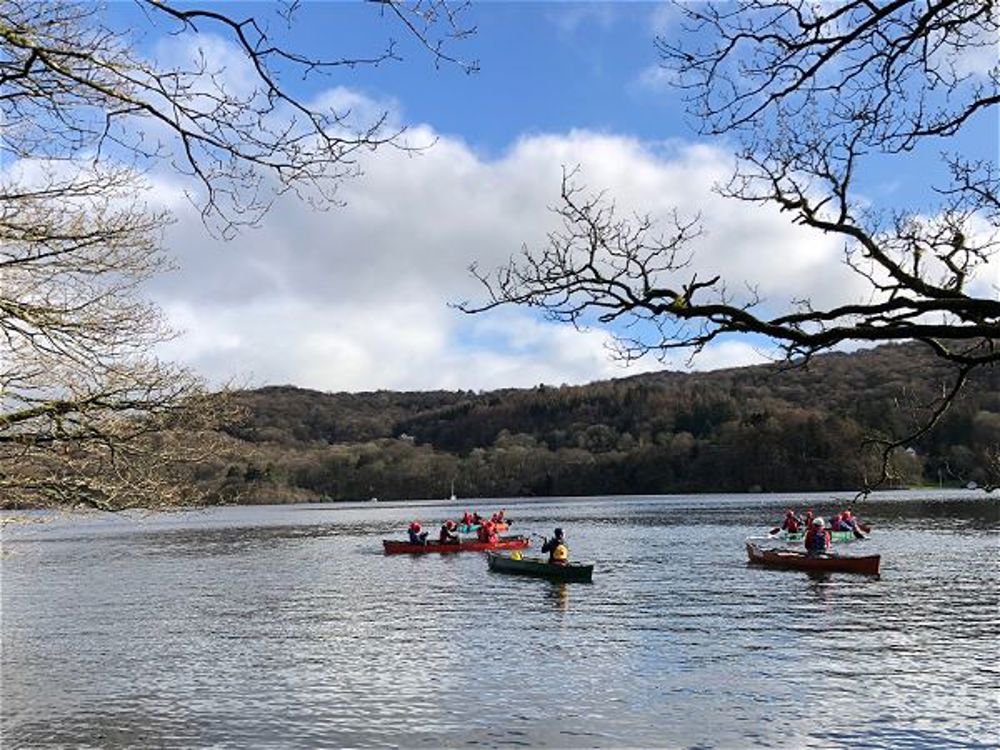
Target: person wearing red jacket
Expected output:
[817,538]
[791,524]
[488,533]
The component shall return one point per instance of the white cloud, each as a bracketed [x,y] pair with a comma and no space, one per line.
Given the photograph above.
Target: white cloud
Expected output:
[658,79]
[569,18]
[726,354]
[978,56]
[356,298]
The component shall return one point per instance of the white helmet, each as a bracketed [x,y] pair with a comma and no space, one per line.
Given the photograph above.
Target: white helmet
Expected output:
[819,522]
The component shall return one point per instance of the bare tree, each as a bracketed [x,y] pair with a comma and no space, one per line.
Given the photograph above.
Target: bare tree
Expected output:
[811,90]
[87,412]
[76,88]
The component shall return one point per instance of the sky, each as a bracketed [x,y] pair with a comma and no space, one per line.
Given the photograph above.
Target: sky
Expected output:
[360,297]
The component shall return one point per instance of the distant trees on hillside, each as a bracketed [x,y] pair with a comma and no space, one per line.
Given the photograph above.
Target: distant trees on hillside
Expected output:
[747,429]
[755,428]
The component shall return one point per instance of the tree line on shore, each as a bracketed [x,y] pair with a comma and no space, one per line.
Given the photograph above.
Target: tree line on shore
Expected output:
[762,428]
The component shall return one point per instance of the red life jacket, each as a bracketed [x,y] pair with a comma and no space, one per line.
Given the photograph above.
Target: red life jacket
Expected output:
[817,540]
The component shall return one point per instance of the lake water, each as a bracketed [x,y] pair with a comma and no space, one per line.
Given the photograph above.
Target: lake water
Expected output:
[286,626]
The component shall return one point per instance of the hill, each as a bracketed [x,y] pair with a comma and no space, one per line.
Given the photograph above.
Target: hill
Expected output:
[770,428]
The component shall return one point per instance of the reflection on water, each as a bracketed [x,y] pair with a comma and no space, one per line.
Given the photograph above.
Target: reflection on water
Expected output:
[558,594]
[286,626]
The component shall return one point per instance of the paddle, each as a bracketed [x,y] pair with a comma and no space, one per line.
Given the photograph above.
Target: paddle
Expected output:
[778,530]
[544,539]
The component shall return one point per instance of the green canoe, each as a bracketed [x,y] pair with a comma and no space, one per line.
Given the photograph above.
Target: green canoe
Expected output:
[539,567]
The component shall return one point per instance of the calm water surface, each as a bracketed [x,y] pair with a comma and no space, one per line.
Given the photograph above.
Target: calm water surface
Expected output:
[285,626]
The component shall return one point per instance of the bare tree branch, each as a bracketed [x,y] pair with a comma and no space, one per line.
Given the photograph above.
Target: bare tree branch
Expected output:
[810,89]
[73,87]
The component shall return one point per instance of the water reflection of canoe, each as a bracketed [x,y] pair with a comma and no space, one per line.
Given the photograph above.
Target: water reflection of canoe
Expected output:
[394,547]
[540,568]
[795,560]
[472,528]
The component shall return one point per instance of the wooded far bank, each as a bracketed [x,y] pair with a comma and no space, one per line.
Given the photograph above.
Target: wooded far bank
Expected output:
[763,428]
[752,429]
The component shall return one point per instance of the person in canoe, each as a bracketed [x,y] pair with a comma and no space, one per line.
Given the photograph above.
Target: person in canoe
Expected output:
[807,521]
[848,522]
[817,538]
[557,549]
[467,518]
[792,523]
[416,535]
[488,533]
[448,535]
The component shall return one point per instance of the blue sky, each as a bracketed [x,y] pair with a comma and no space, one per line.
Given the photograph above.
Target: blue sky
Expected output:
[544,66]
[356,298]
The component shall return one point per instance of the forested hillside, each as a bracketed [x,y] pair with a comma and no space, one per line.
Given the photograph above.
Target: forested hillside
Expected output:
[767,428]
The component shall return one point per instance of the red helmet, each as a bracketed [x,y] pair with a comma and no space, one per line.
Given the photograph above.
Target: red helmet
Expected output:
[450,524]
[414,526]
[846,514]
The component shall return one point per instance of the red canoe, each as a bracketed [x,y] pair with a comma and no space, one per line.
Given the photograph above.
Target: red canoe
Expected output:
[393,547]
[795,560]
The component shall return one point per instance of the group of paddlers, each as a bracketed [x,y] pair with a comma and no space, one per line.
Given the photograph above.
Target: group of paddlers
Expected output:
[817,529]
[556,547]
[485,529]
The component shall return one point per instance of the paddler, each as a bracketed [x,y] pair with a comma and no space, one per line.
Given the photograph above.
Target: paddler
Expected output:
[488,533]
[448,535]
[850,523]
[817,538]
[416,535]
[792,522]
[557,549]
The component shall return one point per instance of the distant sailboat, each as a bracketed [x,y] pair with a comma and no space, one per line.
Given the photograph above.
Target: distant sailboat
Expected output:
[453,495]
